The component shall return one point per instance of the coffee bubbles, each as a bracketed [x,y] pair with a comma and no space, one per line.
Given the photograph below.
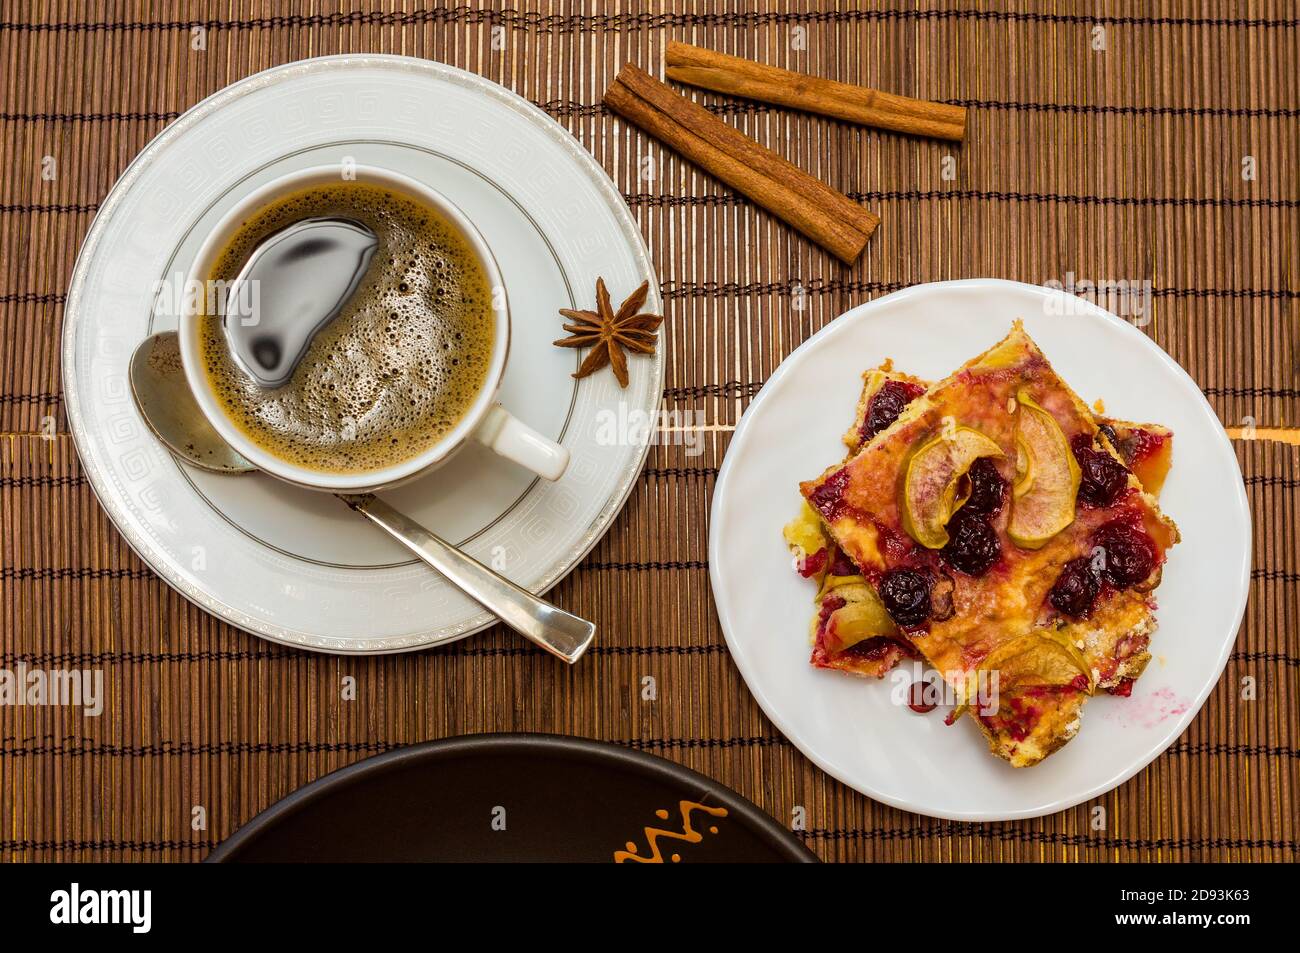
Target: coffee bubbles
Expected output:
[392,372]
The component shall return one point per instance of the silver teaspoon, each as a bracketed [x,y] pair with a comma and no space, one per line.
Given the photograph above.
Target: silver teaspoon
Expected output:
[163,397]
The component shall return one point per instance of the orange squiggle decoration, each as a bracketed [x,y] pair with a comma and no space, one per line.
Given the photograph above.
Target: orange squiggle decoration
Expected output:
[653,834]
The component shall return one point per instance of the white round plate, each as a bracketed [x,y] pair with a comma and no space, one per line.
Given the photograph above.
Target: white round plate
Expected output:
[851,727]
[293,565]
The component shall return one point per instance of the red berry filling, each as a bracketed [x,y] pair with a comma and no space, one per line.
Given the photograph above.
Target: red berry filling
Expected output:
[1137,446]
[813,563]
[1078,684]
[886,404]
[841,565]
[829,605]
[1124,688]
[895,547]
[828,497]
[1015,717]
[874,648]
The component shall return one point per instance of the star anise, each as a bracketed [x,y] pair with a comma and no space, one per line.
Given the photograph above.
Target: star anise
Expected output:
[609,333]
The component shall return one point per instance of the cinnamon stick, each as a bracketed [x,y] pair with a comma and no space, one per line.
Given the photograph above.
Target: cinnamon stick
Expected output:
[734,76]
[827,217]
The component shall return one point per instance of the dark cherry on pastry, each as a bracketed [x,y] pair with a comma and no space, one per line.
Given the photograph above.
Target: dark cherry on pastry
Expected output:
[1102,477]
[886,405]
[973,545]
[906,595]
[1130,554]
[1076,588]
[987,488]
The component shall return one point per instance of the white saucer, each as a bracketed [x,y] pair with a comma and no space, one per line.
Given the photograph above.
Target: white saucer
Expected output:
[296,566]
[849,726]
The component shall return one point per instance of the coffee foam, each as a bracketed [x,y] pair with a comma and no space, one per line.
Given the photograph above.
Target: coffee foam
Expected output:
[400,365]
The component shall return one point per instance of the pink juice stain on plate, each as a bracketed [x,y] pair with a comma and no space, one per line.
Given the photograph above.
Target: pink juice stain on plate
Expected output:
[1148,711]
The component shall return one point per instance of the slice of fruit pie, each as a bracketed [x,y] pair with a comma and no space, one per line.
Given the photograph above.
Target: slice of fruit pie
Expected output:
[1004,533]
[850,630]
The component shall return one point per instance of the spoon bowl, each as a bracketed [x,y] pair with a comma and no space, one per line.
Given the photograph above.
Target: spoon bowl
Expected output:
[163,396]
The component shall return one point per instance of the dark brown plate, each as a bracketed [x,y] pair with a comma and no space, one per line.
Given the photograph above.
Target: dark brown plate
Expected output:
[513,797]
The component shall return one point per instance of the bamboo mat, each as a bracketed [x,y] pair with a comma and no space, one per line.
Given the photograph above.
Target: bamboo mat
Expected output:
[1119,162]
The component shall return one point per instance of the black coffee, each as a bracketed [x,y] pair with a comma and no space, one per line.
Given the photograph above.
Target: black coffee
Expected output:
[399,365]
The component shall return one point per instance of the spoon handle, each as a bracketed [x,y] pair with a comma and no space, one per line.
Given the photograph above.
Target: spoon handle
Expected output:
[559,632]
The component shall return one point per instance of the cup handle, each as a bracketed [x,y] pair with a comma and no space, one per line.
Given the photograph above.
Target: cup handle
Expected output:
[515,440]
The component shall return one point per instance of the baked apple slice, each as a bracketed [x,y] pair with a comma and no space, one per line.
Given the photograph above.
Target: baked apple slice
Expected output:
[934,473]
[1047,477]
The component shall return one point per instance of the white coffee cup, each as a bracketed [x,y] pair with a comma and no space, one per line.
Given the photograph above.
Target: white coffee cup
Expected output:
[485,421]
